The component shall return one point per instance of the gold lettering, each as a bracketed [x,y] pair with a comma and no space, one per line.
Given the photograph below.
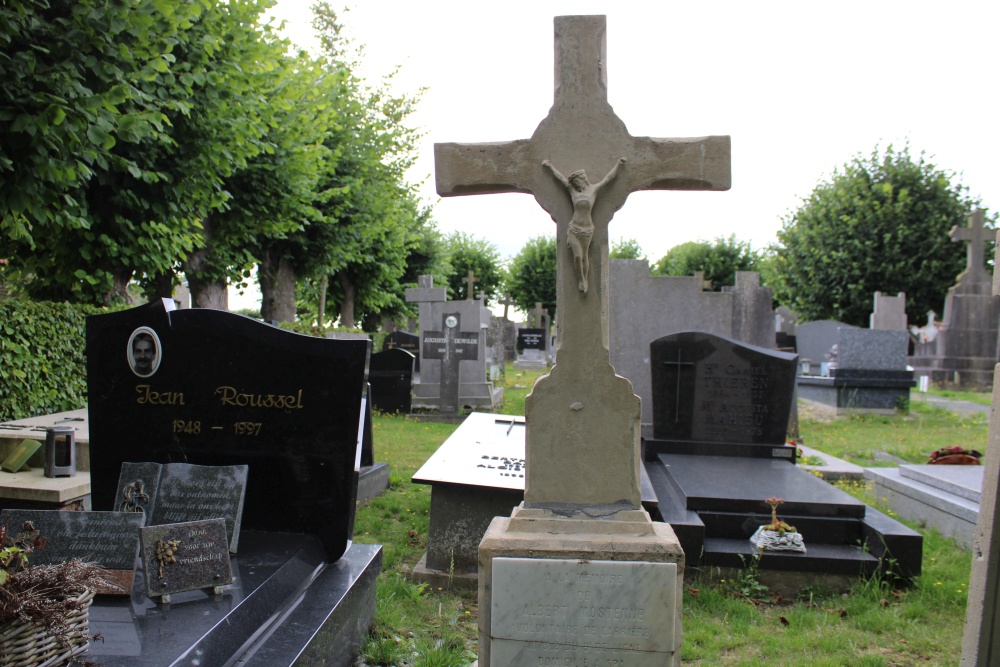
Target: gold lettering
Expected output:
[229,396]
[149,397]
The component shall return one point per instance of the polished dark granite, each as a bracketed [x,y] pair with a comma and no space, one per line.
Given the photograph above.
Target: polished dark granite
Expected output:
[286,606]
[391,376]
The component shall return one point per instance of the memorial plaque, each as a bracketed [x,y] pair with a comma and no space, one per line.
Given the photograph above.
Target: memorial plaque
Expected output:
[530,339]
[185,557]
[710,388]
[179,492]
[110,539]
[557,611]
[390,374]
[223,389]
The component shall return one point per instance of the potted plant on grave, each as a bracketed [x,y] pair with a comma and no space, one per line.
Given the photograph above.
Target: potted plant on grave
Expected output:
[43,608]
[777,535]
[955,455]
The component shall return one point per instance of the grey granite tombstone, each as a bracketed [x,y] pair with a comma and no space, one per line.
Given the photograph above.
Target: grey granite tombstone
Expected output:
[179,492]
[110,539]
[871,374]
[814,341]
[448,347]
[645,308]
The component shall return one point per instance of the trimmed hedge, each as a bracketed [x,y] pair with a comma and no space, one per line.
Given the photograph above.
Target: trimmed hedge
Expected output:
[43,365]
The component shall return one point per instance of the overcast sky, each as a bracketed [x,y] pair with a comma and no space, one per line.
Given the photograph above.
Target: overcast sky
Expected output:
[800,86]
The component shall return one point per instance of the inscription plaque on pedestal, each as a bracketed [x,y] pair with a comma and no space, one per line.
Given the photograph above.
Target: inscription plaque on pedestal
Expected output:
[185,557]
[558,611]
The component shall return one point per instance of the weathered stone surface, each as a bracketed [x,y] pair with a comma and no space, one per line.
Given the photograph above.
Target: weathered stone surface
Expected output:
[889,312]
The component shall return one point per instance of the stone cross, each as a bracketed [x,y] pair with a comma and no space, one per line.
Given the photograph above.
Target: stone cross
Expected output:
[976,236]
[703,285]
[537,315]
[581,411]
[470,281]
[507,303]
[424,296]
[451,345]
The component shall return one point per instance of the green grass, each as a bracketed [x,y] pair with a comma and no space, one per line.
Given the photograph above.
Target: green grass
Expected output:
[871,625]
[980,397]
[912,436]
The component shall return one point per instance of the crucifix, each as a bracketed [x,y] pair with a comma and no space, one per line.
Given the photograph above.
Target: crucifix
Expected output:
[581,408]
[976,236]
[470,281]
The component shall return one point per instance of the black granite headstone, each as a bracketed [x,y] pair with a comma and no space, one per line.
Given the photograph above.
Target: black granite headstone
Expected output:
[223,389]
[110,539]
[708,388]
[402,340]
[185,556]
[179,492]
[391,376]
[451,345]
[530,339]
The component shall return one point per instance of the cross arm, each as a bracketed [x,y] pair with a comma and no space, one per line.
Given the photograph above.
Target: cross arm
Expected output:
[483,168]
[697,163]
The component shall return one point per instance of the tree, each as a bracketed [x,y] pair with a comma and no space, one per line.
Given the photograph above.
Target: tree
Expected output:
[465,253]
[880,223]
[720,260]
[532,275]
[626,249]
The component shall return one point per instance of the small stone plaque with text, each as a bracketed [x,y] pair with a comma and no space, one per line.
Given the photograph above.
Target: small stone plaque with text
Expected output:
[185,557]
[178,492]
[110,539]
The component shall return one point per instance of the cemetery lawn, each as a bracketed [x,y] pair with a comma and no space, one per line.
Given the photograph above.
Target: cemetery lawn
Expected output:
[732,623]
[866,439]
[981,397]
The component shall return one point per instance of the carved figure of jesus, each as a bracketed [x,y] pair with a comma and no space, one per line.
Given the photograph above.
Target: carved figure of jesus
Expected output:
[583,194]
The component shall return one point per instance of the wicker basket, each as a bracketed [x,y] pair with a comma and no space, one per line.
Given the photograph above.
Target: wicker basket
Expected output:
[28,645]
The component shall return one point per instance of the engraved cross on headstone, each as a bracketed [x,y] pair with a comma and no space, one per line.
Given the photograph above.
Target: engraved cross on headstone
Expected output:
[582,411]
[677,395]
[976,236]
[451,345]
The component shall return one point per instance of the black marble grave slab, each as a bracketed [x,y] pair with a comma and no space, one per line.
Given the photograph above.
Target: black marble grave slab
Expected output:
[731,484]
[223,389]
[530,339]
[179,557]
[715,389]
[178,492]
[287,605]
[110,539]
[390,374]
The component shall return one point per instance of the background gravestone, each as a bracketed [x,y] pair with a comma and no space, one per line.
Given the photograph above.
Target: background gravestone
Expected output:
[229,390]
[644,308]
[403,340]
[815,340]
[390,374]
[889,312]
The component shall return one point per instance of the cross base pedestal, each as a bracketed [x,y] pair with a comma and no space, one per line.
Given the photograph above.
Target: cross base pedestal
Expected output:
[562,585]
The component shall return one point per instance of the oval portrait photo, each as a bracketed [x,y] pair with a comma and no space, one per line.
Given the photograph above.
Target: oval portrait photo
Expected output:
[143,352]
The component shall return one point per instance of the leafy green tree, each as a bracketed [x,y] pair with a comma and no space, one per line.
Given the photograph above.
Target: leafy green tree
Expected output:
[532,275]
[465,253]
[626,249]
[880,223]
[720,260]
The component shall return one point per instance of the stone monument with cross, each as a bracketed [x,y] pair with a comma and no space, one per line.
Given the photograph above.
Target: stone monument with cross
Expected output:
[965,349]
[433,388]
[580,541]
[470,281]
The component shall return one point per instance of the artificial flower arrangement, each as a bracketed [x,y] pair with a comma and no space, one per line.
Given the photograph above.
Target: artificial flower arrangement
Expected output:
[956,455]
[777,535]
